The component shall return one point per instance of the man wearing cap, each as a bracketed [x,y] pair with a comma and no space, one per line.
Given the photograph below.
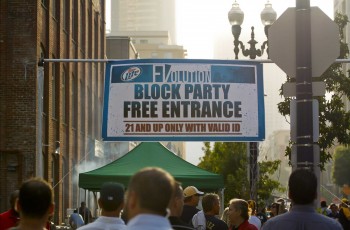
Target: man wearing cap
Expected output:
[191,200]
[111,202]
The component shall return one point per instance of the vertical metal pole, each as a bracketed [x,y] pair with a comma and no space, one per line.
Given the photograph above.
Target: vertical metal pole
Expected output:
[252,148]
[253,169]
[304,121]
[39,121]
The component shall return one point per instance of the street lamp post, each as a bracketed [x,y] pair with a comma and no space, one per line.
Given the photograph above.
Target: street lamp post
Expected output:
[236,17]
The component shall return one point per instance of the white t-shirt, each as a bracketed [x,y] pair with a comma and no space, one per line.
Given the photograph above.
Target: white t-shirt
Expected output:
[255,221]
[104,222]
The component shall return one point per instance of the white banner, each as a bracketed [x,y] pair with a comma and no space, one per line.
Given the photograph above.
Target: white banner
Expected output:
[183,100]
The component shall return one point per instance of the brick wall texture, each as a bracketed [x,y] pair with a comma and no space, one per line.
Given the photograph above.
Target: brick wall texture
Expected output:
[72,93]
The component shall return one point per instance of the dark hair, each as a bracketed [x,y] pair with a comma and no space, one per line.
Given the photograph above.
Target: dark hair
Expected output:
[302,186]
[277,206]
[154,188]
[208,201]
[323,204]
[35,198]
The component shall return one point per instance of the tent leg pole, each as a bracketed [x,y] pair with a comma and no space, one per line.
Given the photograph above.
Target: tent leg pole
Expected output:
[222,200]
[96,214]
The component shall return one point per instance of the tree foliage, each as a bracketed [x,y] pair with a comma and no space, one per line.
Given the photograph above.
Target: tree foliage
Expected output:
[341,166]
[334,121]
[267,186]
[230,160]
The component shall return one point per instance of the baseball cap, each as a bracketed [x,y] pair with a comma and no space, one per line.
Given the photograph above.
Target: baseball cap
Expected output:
[191,190]
[111,195]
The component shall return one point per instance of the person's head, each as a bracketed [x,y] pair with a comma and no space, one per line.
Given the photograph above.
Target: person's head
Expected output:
[323,204]
[13,199]
[83,204]
[211,204]
[149,191]
[192,195]
[75,211]
[260,206]
[333,207]
[302,186]
[281,206]
[252,206]
[177,201]
[275,207]
[238,211]
[35,200]
[111,198]
[262,209]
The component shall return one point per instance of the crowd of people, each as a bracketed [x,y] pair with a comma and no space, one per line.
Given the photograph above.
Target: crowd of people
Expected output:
[340,213]
[154,200]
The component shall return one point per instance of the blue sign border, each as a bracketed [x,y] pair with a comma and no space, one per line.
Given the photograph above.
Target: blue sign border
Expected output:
[260,94]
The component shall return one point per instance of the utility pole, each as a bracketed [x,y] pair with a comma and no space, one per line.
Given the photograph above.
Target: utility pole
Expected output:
[304,42]
[304,119]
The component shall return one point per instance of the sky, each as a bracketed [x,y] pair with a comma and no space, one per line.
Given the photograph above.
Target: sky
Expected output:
[203,29]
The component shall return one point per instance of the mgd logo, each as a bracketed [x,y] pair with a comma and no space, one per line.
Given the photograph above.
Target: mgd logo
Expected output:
[131,73]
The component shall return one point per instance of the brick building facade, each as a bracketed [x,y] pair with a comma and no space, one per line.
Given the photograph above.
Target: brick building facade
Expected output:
[48,136]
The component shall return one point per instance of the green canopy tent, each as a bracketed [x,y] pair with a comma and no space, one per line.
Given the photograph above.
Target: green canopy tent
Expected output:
[151,154]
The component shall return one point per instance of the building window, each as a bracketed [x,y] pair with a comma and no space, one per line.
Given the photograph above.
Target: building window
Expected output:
[53,170]
[82,101]
[44,3]
[65,186]
[168,55]
[89,115]
[96,36]
[74,98]
[74,21]
[44,164]
[65,14]
[83,24]
[154,55]
[63,95]
[54,9]
[143,41]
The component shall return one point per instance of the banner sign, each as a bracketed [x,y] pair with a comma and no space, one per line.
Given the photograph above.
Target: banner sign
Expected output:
[183,100]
